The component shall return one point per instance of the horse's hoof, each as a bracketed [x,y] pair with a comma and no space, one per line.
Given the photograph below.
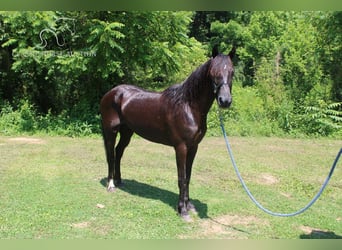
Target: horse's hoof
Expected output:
[119,184]
[111,189]
[190,207]
[111,186]
[186,218]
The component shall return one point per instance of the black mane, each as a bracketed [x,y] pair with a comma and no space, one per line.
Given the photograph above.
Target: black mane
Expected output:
[189,90]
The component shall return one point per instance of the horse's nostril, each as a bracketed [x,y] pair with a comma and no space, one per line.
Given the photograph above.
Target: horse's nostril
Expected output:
[225,103]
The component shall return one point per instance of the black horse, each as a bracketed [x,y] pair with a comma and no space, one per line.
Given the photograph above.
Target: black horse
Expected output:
[176,117]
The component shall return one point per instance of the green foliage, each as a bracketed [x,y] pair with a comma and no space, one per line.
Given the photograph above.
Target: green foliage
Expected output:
[279,55]
[63,62]
[157,46]
[55,66]
[22,120]
[301,65]
[329,26]
[323,119]
[26,120]
[104,37]
[246,117]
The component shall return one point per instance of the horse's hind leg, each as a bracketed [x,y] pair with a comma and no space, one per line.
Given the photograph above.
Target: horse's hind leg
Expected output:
[109,137]
[125,137]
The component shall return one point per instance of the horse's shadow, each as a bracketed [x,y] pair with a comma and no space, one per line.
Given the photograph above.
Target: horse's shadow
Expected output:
[317,234]
[147,191]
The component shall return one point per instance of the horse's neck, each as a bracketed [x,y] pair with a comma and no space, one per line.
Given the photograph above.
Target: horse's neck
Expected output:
[205,95]
[207,99]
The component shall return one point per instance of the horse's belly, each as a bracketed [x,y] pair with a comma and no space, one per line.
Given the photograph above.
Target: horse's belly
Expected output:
[151,129]
[147,120]
[154,136]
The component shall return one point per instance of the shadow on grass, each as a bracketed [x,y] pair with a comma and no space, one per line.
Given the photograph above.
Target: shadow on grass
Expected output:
[317,234]
[147,191]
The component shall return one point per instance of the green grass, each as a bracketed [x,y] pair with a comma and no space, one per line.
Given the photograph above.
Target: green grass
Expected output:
[53,188]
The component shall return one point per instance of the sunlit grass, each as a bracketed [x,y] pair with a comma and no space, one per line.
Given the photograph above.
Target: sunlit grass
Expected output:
[53,187]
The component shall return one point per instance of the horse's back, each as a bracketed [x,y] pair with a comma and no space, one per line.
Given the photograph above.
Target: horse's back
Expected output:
[137,108]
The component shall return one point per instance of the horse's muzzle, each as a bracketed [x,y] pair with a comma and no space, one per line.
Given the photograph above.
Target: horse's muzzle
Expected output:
[224,102]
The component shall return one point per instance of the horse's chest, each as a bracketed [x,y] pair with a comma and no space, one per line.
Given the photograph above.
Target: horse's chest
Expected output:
[191,127]
[200,132]
[198,136]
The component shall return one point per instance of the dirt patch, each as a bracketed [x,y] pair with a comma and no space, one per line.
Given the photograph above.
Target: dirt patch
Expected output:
[312,230]
[267,179]
[27,140]
[307,229]
[228,227]
[237,220]
[80,225]
[287,195]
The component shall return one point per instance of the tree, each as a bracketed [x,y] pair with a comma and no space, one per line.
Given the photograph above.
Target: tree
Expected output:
[329,26]
[200,26]
[300,57]
[67,60]
[60,63]
[156,44]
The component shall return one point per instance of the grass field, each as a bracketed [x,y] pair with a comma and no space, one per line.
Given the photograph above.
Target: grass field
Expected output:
[54,188]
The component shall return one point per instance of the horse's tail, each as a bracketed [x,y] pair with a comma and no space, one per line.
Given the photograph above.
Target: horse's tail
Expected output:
[110,114]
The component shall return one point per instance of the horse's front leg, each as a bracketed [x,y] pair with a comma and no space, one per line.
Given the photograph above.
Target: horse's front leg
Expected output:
[181,152]
[189,161]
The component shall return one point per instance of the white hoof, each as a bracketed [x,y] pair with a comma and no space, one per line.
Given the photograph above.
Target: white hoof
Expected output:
[111,186]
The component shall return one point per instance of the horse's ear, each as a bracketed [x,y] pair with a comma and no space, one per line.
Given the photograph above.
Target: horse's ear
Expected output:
[231,54]
[215,51]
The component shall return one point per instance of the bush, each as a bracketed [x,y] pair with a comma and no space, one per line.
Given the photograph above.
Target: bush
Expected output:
[9,119]
[246,117]
[25,120]
[21,120]
[322,119]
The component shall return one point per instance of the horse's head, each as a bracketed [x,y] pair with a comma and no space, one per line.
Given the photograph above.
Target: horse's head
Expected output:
[221,73]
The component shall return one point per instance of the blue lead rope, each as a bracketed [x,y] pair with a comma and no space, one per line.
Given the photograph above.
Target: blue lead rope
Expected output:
[314,199]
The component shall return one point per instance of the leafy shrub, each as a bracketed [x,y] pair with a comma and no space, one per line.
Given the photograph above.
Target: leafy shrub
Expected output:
[21,120]
[323,119]
[246,117]
[26,120]
[9,119]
